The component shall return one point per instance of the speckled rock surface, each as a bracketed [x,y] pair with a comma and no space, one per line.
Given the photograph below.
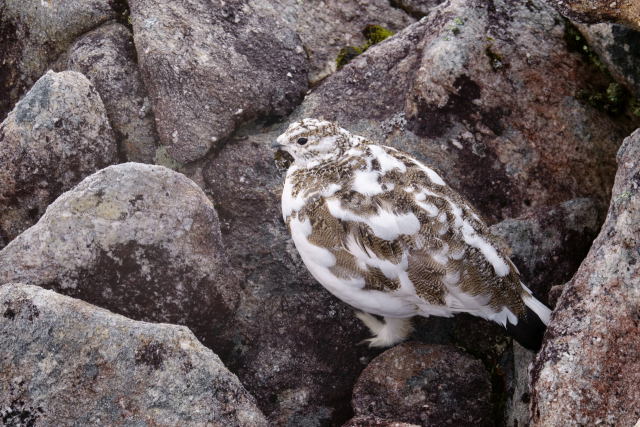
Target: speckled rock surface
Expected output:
[34,32]
[588,370]
[56,135]
[295,345]
[425,385]
[623,11]
[618,47]
[465,91]
[139,240]
[63,362]
[326,26]
[548,245]
[416,8]
[107,57]
[375,422]
[191,54]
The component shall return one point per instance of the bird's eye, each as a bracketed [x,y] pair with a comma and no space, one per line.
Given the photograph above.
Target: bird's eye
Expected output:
[302,141]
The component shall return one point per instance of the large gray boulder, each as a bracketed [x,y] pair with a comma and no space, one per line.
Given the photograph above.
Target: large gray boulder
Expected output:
[139,240]
[33,33]
[588,370]
[57,135]
[465,91]
[426,385]
[107,57]
[65,362]
[210,66]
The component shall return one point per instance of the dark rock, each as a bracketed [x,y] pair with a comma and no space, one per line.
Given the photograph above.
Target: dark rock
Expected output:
[64,361]
[548,245]
[622,11]
[618,47]
[588,370]
[426,385]
[32,35]
[210,66]
[107,57]
[467,90]
[375,422]
[57,135]
[295,345]
[140,240]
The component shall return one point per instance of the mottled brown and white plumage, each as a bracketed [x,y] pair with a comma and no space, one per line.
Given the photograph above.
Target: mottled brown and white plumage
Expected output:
[384,233]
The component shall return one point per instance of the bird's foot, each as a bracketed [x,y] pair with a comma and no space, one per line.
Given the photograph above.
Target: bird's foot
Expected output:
[387,333]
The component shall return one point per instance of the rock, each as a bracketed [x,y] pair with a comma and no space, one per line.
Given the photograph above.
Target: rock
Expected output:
[211,66]
[426,385]
[64,361]
[33,33]
[327,26]
[56,135]
[548,245]
[622,11]
[464,90]
[295,345]
[375,422]
[587,372]
[618,47]
[107,57]
[416,8]
[518,392]
[140,240]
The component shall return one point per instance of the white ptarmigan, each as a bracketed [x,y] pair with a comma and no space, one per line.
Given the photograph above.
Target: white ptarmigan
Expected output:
[384,233]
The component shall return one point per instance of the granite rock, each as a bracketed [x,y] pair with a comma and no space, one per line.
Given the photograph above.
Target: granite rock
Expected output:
[107,57]
[33,33]
[63,362]
[426,385]
[210,66]
[465,91]
[57,135]
[140,240]
[587,371]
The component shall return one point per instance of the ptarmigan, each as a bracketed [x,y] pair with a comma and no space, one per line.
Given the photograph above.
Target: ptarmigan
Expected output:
[385,234]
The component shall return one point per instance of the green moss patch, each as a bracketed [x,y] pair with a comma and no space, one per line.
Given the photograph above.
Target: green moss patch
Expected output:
[374,34]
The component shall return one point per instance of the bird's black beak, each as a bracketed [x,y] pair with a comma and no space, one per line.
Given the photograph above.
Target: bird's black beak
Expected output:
[276,145]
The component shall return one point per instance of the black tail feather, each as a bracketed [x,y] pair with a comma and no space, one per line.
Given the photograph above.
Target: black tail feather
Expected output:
[529,331]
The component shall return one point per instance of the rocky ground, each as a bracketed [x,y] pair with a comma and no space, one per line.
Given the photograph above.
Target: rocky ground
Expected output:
[137,185]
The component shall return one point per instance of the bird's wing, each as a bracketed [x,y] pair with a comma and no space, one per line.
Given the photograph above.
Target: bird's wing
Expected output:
[405,232]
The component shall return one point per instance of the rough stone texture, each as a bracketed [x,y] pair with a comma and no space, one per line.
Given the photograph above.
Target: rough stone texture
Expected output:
[548,245]
[588,370]
[107,57]
[618,47]
[468,90]
[518,392]
[56,135]
[622,11]
[326,26]
[139,240]
[416,8]
[34,32]
[210,66]
[375,422]
[426,385]
[295,345]
[64,362]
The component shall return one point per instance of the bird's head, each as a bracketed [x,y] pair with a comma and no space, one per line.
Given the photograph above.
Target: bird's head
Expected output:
[311,142]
